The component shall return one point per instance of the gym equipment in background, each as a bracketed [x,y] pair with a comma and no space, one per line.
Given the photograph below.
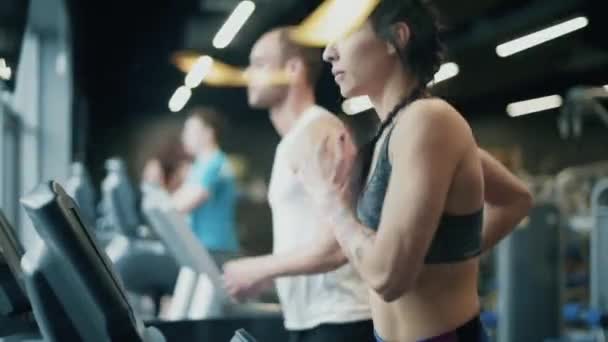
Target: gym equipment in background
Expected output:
[16,318]
[529,273]
[199,291]
[141,261]
[582,104]
[70,264]
[81,189]
[118,206]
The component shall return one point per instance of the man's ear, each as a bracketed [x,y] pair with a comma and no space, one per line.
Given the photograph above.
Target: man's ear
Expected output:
[295,69]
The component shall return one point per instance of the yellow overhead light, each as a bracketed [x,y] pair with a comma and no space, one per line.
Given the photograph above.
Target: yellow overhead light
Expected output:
[200,69]
[332,20]
[219,74]
[215,73]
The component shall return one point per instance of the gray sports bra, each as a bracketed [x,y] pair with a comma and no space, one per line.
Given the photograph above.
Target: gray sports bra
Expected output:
[458,237]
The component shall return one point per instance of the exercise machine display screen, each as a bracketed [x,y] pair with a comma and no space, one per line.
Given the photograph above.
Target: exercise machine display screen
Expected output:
[57,219]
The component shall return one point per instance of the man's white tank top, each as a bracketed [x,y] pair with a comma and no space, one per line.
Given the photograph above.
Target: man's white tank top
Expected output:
[307,301]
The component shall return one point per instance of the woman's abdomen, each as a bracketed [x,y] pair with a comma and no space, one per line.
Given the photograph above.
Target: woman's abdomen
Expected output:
[444,298]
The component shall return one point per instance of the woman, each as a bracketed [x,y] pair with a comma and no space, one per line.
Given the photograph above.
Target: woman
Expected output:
[415,235]
[168,167]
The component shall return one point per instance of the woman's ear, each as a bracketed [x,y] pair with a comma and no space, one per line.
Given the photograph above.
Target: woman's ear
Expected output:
[401,32]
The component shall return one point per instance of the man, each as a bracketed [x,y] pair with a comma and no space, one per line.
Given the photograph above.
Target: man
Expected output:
[317,307]
[208,194]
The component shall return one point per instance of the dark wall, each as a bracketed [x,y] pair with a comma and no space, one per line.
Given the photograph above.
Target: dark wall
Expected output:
[121,71]
[536,136]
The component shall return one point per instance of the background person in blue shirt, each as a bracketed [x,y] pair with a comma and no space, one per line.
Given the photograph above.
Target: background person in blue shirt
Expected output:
[208,194]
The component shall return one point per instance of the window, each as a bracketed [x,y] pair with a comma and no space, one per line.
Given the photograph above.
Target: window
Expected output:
[10,149]
[35,139]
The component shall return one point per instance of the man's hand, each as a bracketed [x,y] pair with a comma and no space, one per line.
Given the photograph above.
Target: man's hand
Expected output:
[246,278]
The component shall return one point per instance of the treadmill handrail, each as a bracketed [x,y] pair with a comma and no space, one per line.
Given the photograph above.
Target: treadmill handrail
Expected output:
[119,203]
[12,249]
[181,242]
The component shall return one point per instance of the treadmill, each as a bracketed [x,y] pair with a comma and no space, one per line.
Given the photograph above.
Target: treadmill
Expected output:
[118,206]
[80,187]
[140,260]
[70,264]
[16,317]
[199,291]
[77,271]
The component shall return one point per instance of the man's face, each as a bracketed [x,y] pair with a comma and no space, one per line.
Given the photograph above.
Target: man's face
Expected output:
[265,61]
[194,135]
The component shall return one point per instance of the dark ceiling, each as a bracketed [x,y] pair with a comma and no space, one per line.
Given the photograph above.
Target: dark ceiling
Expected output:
[122,50]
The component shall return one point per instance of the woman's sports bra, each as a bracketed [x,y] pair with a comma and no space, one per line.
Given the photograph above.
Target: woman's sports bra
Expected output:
[458,237]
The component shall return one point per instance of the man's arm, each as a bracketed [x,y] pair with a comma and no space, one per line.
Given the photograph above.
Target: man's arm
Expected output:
[200,185]
[322,255]
[507,201]
[246,277]
[188,197]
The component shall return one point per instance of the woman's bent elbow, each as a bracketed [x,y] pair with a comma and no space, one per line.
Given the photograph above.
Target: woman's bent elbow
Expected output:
[391,290]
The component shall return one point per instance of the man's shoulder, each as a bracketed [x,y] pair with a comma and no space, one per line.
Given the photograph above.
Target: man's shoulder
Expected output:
[320,119]
[321,113]
[315,119]
[302,140]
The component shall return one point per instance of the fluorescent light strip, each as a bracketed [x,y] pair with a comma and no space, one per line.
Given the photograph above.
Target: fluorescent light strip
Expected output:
[199,71]
[540,37]
[445,72]
[233,24]
[5,71]
[534,105]
[179,99]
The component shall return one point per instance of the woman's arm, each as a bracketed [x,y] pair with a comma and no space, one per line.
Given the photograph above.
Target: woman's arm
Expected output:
[428,143]
[507,200]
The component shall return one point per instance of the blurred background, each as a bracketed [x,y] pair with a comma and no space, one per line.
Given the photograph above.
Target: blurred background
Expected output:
[89,81]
